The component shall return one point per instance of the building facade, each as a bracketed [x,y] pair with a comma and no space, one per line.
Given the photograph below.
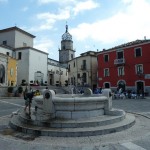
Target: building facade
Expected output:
[82,70]
[57,73]
[18,44]
[12,71]
[125,66]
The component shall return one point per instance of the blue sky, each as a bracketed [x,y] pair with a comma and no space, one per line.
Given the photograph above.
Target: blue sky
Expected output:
[93,24]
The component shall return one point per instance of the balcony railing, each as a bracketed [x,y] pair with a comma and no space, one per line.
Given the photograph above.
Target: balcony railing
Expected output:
[119,61]
[83,67]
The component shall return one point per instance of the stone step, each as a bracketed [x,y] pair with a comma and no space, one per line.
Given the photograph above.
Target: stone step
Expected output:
[72,132]
[61,123]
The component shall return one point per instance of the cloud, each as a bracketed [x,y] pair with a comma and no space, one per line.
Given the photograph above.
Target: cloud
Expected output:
[48,19]
[67,9]
[128,24]
[43,44]
[75,6]
[82,6]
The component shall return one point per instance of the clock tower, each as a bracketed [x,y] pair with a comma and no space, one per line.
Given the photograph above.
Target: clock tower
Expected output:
[66,53]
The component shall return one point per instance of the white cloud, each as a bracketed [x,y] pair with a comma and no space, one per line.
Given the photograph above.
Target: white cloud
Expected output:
[127,1]
[43,44]
[131,24]
[86,5]
[47,20]
[75,6]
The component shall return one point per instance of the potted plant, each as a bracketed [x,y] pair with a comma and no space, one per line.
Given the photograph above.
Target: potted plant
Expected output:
[10,91]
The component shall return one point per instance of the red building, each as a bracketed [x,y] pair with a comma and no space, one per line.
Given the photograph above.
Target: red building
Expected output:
[126,66]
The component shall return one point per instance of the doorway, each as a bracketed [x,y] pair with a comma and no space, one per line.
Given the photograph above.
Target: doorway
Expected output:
[140,87]
[122,85]
[107,85]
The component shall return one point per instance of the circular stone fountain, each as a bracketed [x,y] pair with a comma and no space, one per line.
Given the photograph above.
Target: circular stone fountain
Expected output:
[72,115]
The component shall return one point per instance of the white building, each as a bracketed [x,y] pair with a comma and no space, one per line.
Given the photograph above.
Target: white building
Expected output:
[32,63]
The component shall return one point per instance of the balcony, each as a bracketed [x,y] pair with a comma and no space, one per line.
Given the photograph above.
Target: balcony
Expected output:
[120,61]
[83,67]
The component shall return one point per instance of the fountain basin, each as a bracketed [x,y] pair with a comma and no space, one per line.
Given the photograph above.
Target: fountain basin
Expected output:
[72,115]
[77,106]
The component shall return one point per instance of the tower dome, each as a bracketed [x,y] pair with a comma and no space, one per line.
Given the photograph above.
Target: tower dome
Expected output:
[66,35]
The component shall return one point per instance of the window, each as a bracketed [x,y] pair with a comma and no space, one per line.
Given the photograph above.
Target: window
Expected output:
[74,64]
[24,44]
[119,54]
[139,69]
[106,72]
[19,55]
[69,68]
[4,42]
[7,53]
[57,71]
[106,58]
[83,64]
[71,56]
[120,71]
[78,75]
[138,52]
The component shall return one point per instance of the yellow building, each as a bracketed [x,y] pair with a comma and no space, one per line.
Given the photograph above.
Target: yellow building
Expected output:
[12,71]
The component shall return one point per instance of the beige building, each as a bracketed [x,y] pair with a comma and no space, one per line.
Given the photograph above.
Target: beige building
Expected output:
[82,70]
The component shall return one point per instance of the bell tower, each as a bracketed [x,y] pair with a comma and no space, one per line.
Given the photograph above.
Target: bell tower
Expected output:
[66,53]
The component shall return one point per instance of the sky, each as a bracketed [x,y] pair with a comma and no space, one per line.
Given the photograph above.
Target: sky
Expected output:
[94,24]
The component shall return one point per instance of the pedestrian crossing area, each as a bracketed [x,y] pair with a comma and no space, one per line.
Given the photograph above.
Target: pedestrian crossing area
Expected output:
[122,146]
[132,146]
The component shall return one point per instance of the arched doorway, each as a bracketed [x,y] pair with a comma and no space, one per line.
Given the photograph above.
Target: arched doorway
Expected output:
[106,85]
[2,74]
[122,85]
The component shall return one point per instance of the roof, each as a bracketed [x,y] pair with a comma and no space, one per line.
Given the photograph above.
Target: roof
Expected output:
[130,44]
[125,45]
[88,53]
[24,48]
[18,29]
